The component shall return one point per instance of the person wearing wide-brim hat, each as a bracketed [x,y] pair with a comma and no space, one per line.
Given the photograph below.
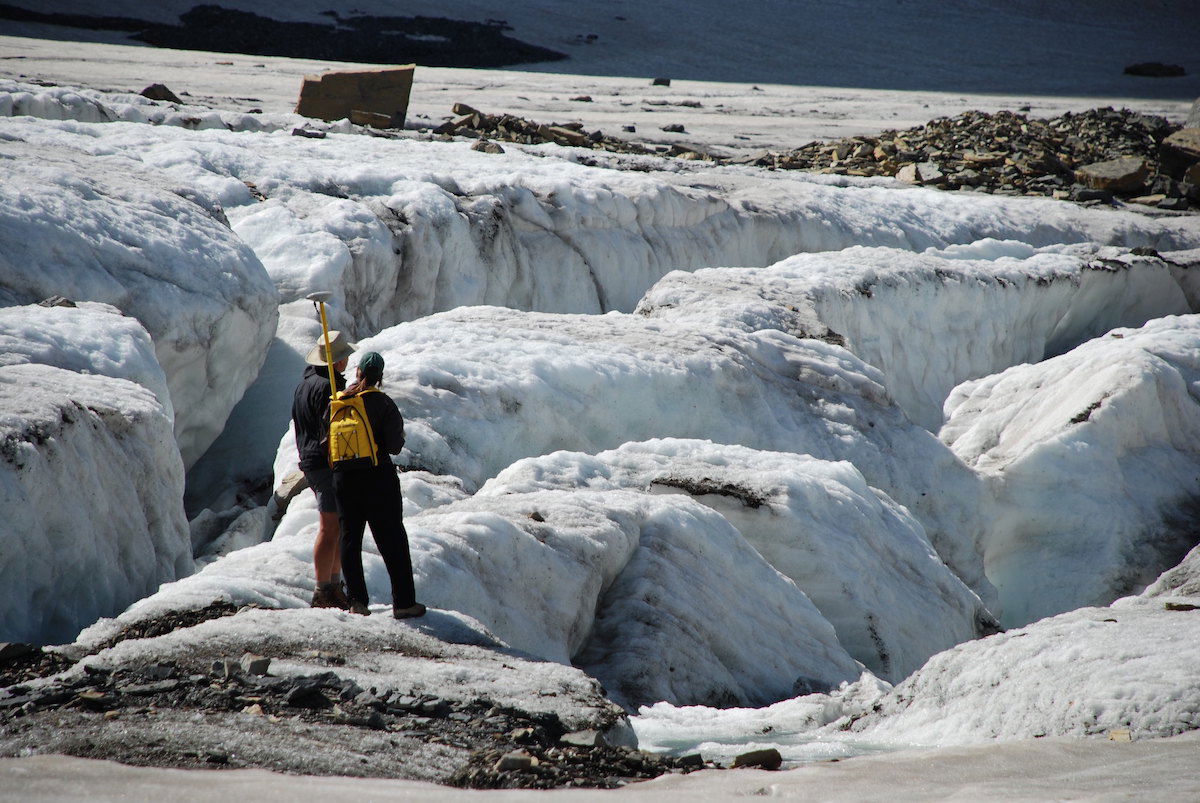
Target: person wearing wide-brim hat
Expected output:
[310,419]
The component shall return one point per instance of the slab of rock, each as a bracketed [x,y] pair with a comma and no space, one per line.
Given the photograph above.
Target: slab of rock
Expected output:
[160,92]
[10,651]
[484,146]
[920,173]
[1127,174]
[768,759]
[517,760]
[1181,150]
[335,95]
[587,738]
[1193,118]
[255,664]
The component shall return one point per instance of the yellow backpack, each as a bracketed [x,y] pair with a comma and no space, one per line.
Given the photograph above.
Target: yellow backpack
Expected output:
[351,441]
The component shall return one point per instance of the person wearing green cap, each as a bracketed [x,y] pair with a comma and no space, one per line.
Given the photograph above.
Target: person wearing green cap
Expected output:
[370,495]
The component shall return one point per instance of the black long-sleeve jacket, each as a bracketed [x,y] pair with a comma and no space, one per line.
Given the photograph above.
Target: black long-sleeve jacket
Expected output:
[387,424]
[310,417]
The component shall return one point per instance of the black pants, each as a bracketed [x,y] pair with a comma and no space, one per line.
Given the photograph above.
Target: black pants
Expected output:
[372,496]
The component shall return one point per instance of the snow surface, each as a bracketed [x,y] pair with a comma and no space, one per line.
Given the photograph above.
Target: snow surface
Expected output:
[96,227]
[1092,458]
[865,562]
[91,486]
[90,338]
[1082,673]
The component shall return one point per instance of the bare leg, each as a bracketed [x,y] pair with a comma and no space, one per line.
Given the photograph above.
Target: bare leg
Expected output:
[326,557]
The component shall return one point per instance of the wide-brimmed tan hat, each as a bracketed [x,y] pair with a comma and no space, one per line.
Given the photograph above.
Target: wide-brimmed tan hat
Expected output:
[338,344]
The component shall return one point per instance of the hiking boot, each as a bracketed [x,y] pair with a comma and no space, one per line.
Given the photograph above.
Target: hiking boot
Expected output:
[411,612]
[338,595]
[359,608]
[323,598]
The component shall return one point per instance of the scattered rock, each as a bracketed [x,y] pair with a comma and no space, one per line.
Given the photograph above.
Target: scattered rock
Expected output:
[1180,606]
[661,82]
[582,98]
[160,92]
[304,132]
[1085,195]
[768,759]
[1002,152]
[254,664]
[294,483]
[1181,150]
[12,650]
[515,761]
[674,128]
[588,738]
[56,301]
[509,128]
[1124,175]
[1155,69]
[486,146]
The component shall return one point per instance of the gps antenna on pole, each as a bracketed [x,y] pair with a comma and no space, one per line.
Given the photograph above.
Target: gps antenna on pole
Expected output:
[318,299]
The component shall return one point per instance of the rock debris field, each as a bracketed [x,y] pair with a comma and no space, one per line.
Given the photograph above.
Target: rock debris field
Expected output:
[1094,156]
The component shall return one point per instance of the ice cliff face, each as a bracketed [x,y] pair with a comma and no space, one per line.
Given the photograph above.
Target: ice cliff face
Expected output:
[863,560]
[1068,447]
[932,320]
[91,487]
[100,228]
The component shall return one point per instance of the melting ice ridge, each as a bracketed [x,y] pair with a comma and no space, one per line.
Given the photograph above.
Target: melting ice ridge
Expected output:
[644,419]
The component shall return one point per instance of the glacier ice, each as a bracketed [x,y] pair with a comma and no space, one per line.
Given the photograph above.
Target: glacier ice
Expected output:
[91,485]
[102,228]
[482,387]
[1093,458]
[932,320]
[863,560]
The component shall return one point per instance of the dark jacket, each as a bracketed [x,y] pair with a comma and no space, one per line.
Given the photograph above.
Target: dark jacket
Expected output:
[310,416]
[387,425]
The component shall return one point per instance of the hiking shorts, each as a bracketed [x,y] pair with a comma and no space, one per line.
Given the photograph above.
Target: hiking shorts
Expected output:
[321,482]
